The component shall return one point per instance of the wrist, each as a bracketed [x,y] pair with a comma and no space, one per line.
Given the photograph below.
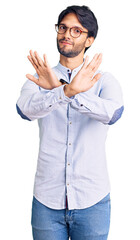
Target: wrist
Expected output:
[57,85]
[69,92]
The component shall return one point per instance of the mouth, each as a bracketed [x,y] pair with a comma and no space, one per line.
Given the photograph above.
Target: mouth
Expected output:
[65,42]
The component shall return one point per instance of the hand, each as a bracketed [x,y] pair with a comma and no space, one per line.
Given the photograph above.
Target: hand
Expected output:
[84,80]
[47,78]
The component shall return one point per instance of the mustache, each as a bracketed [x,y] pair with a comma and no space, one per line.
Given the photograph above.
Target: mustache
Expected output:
[64,39]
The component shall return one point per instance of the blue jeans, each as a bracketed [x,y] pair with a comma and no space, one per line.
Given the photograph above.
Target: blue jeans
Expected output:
[91,223]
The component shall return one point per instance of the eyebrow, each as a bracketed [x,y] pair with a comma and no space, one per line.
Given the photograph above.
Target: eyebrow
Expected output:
[71,27]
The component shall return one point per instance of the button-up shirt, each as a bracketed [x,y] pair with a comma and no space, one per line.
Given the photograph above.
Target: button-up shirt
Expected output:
[71,159]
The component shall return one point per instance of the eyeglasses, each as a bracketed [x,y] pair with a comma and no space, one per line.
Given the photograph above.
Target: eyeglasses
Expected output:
[75,32]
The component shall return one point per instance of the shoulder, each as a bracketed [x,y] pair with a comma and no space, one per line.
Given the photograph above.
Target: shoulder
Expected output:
[108,78]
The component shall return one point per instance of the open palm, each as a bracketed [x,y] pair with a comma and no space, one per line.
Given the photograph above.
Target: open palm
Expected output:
[47,78]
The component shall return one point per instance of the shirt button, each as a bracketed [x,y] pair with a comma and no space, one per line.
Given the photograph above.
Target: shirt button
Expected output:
[69,143]
[68,163]
[81,105]
[50,105]
[70,122]
[67,184]
[60,98]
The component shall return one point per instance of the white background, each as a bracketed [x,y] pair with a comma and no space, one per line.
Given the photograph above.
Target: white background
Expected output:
[29,25]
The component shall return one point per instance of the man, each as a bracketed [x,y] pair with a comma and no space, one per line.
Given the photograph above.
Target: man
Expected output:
[74,103]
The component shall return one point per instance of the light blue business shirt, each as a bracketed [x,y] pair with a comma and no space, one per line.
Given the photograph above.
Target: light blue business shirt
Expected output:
[73,131]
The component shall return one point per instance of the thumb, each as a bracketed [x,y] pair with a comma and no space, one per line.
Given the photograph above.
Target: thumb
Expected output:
[32,78]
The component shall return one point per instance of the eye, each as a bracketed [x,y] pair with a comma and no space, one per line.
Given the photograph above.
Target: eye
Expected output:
[62,27]
[77,30]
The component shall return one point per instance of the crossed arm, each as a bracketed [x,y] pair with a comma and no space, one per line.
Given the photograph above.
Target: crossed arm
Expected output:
[33,104]
[47,79]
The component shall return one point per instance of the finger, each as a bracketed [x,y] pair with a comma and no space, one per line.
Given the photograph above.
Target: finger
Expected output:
[98,62]
[32,62]
[99,58]
[45,60]
[33,58]
[96,78]
[95,61]
[32,78]
[38,58]
[85,62]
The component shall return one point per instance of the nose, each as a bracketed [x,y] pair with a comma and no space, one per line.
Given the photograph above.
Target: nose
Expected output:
[67,33]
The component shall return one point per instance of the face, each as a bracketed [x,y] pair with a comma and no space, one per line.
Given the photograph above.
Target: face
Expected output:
[67,45]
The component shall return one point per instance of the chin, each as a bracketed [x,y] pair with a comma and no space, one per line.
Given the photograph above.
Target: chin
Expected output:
[66,54]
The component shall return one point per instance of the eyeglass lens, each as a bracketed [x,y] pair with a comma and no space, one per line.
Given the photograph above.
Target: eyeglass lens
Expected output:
[74,31]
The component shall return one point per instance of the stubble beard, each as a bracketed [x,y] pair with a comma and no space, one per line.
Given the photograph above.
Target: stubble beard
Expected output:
[77,49]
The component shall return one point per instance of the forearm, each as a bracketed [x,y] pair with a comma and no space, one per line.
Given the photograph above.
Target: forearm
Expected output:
[34,103]
[103,102]
[103,110]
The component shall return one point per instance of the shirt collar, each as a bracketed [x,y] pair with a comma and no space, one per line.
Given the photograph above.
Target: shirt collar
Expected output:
[68,70]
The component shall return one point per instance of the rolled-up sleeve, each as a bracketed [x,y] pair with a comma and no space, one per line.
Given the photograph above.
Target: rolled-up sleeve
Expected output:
[35,102]
[106,106]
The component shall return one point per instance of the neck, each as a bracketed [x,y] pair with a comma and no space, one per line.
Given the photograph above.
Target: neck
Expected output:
[71,63]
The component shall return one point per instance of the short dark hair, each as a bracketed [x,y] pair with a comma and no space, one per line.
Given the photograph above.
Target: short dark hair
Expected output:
[85,16]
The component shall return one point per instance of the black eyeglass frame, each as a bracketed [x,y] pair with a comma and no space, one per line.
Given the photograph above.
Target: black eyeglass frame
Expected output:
[57,25]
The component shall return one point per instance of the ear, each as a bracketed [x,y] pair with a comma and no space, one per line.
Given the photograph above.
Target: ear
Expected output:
[89,42]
